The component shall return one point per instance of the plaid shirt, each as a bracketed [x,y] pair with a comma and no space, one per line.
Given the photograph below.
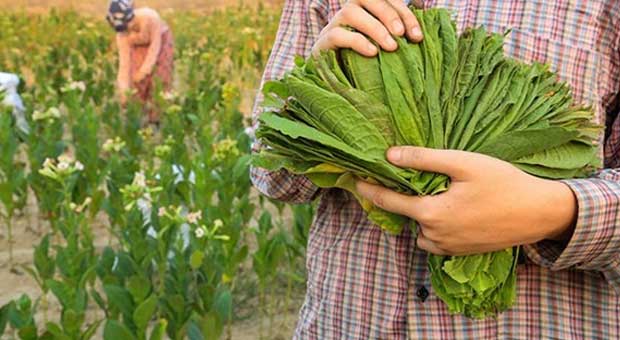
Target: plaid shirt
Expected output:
[366,284]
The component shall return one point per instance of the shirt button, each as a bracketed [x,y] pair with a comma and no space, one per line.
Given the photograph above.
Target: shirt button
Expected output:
[422,293]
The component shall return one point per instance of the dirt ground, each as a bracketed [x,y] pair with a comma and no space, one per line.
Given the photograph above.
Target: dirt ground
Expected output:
[27,233]
[98,7]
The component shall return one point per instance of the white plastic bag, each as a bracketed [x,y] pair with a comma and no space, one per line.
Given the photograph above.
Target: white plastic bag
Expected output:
[8,87]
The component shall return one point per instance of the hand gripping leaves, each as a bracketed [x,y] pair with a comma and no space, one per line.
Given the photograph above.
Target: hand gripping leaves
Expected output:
[333,117]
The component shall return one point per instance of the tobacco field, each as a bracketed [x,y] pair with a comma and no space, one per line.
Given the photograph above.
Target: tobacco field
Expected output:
[113,229]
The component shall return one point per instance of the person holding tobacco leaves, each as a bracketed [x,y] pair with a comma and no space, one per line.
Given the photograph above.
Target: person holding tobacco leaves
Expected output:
[364,283]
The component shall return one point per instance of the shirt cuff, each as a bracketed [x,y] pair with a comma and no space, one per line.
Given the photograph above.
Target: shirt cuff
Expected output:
[284,186]
[596,239]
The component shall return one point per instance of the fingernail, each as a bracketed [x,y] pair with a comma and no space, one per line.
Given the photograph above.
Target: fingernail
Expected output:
[397,27]
[416,33]
[395,154]
[390,42]
[371,48]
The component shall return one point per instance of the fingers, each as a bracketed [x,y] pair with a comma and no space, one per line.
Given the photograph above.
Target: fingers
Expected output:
[412,27]
[339,37]
[378,20]
[411,206]
[360,19]
[459,165]
[386,13]
[430,246]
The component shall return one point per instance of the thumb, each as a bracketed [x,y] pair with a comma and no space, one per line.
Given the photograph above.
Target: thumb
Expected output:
[459,165]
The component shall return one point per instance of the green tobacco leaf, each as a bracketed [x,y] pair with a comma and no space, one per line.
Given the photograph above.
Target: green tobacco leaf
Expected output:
[364,73]
[159,330]
[62,291]
[273,162]
[120,298]
[139,287]
[406,116]
[42,261]
[388,221]
[55,330]
[514,145]
[568,156]
[463,268]
[193,331]
[4,317]
[296,130]
[432,49]
[223,304]
[340,117]
[195,260]
[115,330]
[28,333]
[71,321]
[375,111]
[145,312]
[212,326]
[550,173]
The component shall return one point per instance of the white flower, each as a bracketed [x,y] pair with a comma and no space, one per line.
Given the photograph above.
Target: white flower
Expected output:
[48,163]
[62,166]
[78,166]
[80,208]
[169,95]
[161,212]
[199,232]
[64,158]
[115,145]
[194,217]
[78,85]
[139,179]
[218,223]
[53,112]
[74,85]
[108,145]
[37,115]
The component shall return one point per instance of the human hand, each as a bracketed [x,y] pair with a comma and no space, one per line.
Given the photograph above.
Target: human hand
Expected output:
[490,204]
[139,76]
[378,19]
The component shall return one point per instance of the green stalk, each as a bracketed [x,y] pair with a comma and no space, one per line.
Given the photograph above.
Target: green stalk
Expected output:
[271,307]
[289,289]
[45,306]
[261,303]
[9,225]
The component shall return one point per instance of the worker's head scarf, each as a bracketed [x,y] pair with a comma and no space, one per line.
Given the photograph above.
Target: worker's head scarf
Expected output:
[120,13]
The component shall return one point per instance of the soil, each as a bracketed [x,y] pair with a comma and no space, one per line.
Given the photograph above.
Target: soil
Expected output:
[27,232]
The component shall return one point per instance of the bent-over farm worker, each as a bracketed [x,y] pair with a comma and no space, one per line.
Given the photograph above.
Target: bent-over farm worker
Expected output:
[146,53]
